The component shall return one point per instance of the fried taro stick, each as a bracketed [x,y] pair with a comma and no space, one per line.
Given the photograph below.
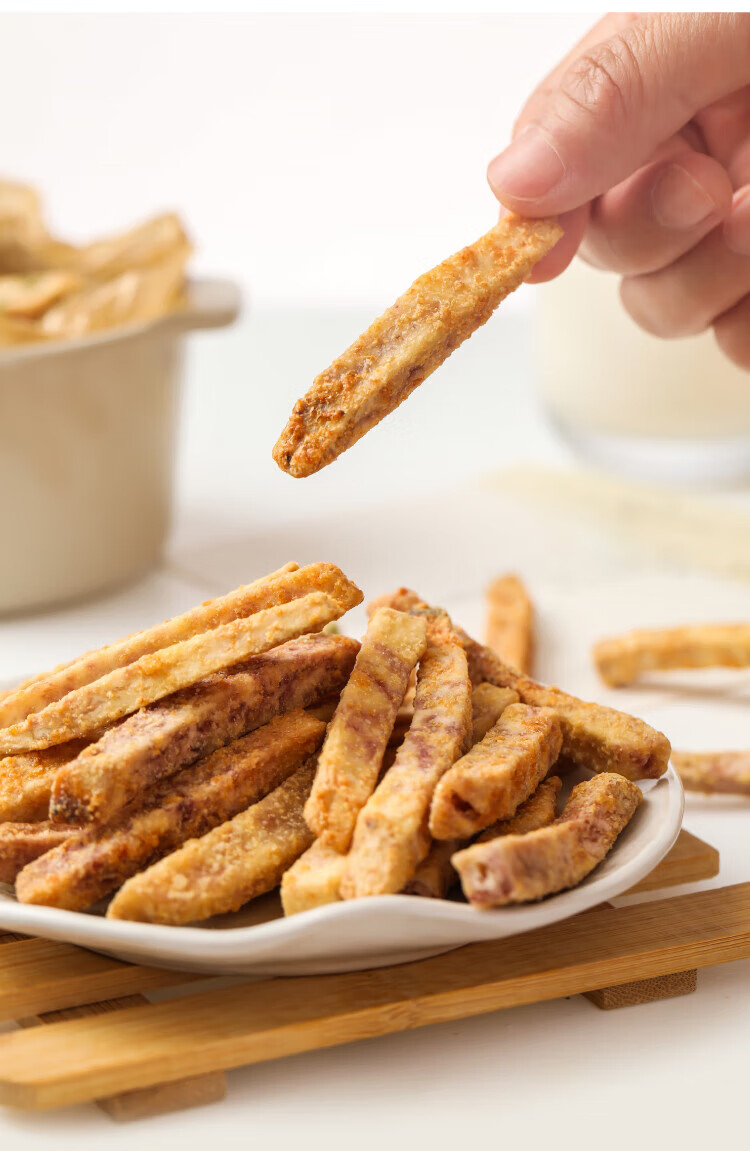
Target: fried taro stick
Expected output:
[26,781]
[623,660]
[177,731]
[314,880]
[714,772]
[391,836]
[226,868]
[408,342]
[487,705]
[523,868]
[493,779]
[510,622]
[20,843]
[357,737]
[539,810]
[97,860]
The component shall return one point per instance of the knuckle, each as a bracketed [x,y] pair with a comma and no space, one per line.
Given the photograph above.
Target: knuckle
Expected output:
[605,82]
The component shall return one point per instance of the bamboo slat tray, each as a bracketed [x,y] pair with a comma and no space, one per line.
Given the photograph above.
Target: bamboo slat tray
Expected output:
[105,1042]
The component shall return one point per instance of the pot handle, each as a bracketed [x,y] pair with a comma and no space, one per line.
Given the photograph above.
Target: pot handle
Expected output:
[209,304]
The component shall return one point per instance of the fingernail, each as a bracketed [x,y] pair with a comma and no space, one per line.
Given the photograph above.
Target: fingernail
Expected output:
[679,201]
[737,224]
[528,169]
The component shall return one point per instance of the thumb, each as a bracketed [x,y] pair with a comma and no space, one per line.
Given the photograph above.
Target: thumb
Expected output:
[615,104]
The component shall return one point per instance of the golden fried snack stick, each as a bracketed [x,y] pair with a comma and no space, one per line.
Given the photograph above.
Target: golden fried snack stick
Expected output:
[169,735]
[622,660]
[358,735]
[289,583]
[152,677]
[20,843]
[510,621]
[435,875]
[522,868]
[313,880]
[391,837]
[197,799]
[227,868]
[493,779]
[714,772]
[408,342]
[146,245]
[487,705]
[27,297]
[539,810]
[26,781]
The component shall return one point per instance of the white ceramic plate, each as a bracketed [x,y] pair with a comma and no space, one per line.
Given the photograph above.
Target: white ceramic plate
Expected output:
[363,933]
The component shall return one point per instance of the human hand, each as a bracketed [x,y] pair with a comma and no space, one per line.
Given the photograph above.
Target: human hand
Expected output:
[640,141]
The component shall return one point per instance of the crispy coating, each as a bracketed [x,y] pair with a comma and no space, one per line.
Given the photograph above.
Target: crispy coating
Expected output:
[539,810]
[408,342]
[493,779]
[282,586]
[226,868]
[97,860]
[391,836]
[26,781]
[510,621]
[720,772]
[169,735]
[523,868]
[154,676]
[358,735]
[623,660]
[487,705]
[313,880]
[20,843]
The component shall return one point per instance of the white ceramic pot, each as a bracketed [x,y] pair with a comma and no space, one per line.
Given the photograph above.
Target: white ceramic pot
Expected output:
[87,437]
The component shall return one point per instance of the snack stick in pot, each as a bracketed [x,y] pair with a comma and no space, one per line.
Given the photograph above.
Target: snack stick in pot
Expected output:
[314,880]
[539,810]
[714,772]
[174,733]
[20,843]
[523,868]
[26,781]
[623,660]
[359,731]
[229,866]
[510,621]
[493,779]
[27,297]
[197,799]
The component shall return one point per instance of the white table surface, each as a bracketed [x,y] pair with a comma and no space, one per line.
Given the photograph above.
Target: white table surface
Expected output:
[396,510]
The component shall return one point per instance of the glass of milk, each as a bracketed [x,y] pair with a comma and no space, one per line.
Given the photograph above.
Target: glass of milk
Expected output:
[659,409]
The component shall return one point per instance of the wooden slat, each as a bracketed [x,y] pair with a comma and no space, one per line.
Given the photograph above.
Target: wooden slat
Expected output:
[86,1059]
[688,861]
[644,991]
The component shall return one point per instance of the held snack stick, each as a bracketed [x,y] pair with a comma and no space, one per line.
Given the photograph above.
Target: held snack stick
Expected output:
[97,860]
[314,880]
[161,673]
[226,868]
[172,734]
[26,781]
[622,660]
[714,772]
[493,779]
[510,618]
[358,734]
[282,586]
[408,342]
[20,843]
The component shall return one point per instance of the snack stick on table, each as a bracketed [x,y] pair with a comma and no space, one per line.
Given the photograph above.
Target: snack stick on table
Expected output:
[523,868]
[539,810]
[229,866]
[313,880]
[357,737]
[197,799]
[487,705]
[493,779]
[719,772]
[152,677]
[408,342]
[20,843]
[174,733]
[510,621]
[26,781]
[391,837]
[622,660]
[282,586]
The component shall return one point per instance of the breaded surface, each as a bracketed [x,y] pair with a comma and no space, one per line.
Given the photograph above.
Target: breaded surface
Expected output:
[169,735]
[96,861]
[20,843]
[487,705]
[523,868]
[720,772]
[154,676]
[282,586]
[622,660]
[391,836]
[510,621]
[313,880]
[227,868]
[357,737]
[539,810]
[26,781]
[408,342]
[493,779]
